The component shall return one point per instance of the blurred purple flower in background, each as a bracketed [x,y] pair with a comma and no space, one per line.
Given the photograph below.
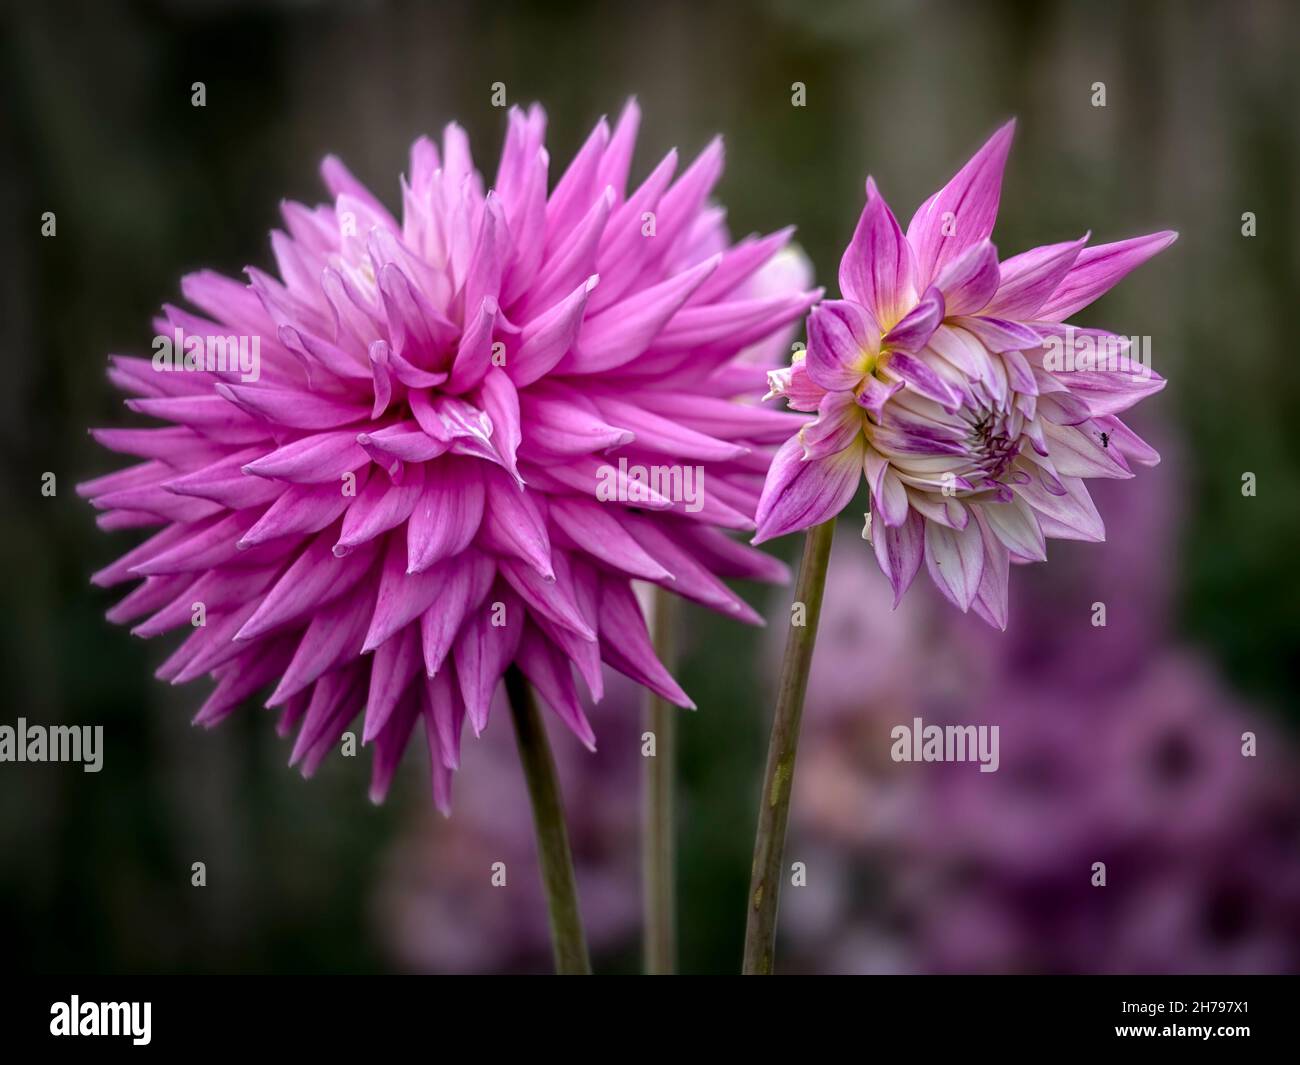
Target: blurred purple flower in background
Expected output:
[436,907]
[1118,745]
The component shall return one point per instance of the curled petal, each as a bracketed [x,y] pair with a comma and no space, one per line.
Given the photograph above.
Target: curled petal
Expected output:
[918,376]
[874,393]
[969,281]
[843,341]
[837,425]
[795,385]
[919,324]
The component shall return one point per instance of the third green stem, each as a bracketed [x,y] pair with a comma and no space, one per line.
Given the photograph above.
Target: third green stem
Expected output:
[658,849]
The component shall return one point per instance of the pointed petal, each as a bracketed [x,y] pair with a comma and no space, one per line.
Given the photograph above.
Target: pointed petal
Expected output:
[474,352]
[447,515]
[1030,278]
[625,643]
[800,494]
[466,579]
[378,507]
[548,670]
[999,334]
[546,339]
[899,550]
[1015,526]
[619,334]
[1068,516]
[395,665]
[877,269]
[955,561]
[990,601]
[595,530]
[1097,270]
[501,403]
[486,645]
[514,524]
[962,213]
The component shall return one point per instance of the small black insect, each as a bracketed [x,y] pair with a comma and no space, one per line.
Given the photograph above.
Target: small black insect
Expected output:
[1105,439]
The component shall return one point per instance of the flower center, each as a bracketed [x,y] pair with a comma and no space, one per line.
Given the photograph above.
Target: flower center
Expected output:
[991,445]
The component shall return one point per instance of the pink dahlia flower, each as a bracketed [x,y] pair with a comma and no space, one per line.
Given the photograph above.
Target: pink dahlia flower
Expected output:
[950,380]
[396,491]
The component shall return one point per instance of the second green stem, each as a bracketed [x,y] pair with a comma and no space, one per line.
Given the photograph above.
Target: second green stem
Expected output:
[778,780]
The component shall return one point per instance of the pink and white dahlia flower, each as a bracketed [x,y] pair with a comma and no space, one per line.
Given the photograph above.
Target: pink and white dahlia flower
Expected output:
[393,494]
[950,380]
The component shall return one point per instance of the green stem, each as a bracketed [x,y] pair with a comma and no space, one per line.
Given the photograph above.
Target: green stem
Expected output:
[658,855]
[774,807]
[567,937]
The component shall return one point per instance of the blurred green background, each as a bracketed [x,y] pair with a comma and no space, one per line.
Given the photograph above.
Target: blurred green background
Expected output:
[1202,123]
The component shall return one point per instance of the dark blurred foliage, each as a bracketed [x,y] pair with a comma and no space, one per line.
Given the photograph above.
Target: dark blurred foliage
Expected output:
[97,126]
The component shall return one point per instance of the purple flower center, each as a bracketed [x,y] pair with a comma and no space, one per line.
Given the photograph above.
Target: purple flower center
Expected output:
[991,445]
